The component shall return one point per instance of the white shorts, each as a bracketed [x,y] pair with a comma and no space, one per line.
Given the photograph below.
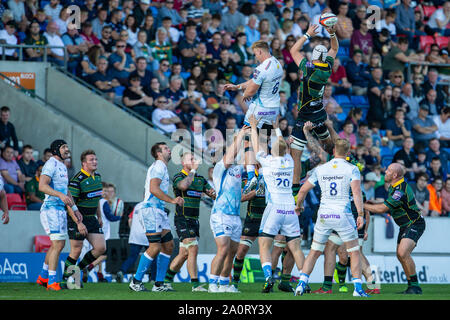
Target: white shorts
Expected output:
[342,223]
[225,225]
[153,220]
[280,218]
[338,241]
[267,115]
[54,222]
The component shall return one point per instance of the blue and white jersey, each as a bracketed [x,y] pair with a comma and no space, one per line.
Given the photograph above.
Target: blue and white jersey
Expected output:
[157,170]
[2,183]
[228,185]
[57,171]
[334,178]
[278,173]
[268,76]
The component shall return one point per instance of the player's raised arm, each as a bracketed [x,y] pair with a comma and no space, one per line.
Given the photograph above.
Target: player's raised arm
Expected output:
[306,187]
[233,149]
[255,138]
[334,43]
[295,50]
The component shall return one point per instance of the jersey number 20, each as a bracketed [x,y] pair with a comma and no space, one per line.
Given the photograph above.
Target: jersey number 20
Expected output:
[285,182]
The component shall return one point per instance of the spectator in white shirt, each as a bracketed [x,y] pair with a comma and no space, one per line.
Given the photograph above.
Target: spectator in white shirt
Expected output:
[56,54]
[52,10]
[7,37]
[440,19]
[443,123]
[17,8]
[388,23]
[164,120]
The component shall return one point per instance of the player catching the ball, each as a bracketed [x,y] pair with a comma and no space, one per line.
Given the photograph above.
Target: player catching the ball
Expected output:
[310,106]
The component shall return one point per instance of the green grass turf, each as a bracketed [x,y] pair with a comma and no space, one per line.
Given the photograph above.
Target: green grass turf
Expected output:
[116,291]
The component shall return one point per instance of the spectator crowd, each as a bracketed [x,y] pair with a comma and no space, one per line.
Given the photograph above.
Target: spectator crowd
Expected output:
[169,60]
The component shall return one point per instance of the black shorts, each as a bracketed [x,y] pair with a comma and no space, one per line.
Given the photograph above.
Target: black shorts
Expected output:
[91,223]
[320,129]
[251,227]
[413,231]
[186,227]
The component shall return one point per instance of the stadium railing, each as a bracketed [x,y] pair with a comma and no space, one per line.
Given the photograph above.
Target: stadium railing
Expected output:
[428,64]
[21,47]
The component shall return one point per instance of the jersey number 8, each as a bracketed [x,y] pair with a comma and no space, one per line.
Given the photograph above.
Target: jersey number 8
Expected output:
[333,190]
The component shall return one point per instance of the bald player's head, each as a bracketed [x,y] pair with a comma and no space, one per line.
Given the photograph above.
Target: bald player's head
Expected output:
[394,172]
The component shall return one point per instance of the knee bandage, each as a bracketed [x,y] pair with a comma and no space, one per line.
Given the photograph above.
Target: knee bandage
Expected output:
[353,249]
[189,244]
[57,236]
[156,238]
[279,244]
[298,144]
[246,242]
[335,239]
[317,246]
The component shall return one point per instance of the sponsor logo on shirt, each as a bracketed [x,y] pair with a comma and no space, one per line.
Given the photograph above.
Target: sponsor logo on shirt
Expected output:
[194,193]
[94,194]
[280,211]
[266,113]
[329,178]
[397,195]
[330,216]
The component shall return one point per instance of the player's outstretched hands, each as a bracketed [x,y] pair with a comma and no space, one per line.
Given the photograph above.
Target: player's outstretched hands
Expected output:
[179,201]
[331,30]
[230,86]
[5,217]
[308,126]
[359,222]
[253,121]
[82,228]
[66,199]
[78,215]
[312,30]
[299,209]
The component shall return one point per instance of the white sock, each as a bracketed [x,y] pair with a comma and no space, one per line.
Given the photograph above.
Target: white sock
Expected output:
[45,267]
[250,168]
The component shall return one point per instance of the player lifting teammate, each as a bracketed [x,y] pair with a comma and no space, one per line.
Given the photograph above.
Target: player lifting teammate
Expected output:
[315,77]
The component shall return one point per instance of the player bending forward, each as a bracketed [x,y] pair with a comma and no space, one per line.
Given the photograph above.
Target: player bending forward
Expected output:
[263,91]
[279,215]
[335,179]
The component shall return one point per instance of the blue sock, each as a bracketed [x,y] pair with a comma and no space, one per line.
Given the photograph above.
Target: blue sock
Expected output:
[161,268]
[224,281]
[267,268]
[51,277]
[250,175]
[44,271]
[144,263]
[213,279]
[357,283]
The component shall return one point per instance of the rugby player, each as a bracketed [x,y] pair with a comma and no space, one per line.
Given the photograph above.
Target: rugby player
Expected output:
[279,215]
[190,186]
[402,206]
[336,178]
[225,218]
[54,183]
[4,202]
[263,92]
[86,189]
[312,86]
[155,221]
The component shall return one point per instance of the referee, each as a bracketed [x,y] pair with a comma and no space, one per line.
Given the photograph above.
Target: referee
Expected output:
[402,206]
[86,189]
[190,186]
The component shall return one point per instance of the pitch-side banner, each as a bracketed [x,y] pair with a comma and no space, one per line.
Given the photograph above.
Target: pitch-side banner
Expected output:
[25,267]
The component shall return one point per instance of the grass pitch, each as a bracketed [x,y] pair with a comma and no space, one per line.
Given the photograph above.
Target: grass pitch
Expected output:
[120,291]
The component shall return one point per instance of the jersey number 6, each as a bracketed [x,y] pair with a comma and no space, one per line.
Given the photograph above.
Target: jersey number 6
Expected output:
[275,87]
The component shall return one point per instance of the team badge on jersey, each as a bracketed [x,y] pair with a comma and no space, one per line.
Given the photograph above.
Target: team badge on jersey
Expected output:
[256,74]
[397,195]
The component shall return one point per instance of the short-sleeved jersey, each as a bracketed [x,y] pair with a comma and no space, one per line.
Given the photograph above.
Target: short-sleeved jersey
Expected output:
[192,196]
[334,178]
[278,173]
[57,171]
[227,183]
[268,76]
[312,86]
[157,170]
[86,191]
[402,204]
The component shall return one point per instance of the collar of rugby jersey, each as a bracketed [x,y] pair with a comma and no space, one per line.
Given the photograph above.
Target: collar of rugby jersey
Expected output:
[398,182]
[86,173]
[321,64]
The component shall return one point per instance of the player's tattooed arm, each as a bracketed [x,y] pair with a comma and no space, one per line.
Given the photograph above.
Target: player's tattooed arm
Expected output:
[211,193]
[249,196]
[313,143]
[186,182]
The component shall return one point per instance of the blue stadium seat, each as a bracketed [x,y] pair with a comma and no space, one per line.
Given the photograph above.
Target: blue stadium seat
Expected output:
[395,149]
[385,151]
[383,133]
[341,116]
[447,150]
[185,75]
[365,112]
[360,101]
[119,90]
[343,101]
[386,161]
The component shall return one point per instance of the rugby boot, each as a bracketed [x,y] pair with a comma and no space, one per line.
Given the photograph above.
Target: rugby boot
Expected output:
[373,291]
[41,281]
[300,289]
[268,285]
[360,293]
[413,290]
[286,287]
[53,287]
[321,291]
[343,288]
[137,286]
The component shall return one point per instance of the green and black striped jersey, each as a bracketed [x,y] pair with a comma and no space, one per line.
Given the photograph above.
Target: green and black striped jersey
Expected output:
[86,191]
[402,204]
[312,86]
[192,196]
[256,207]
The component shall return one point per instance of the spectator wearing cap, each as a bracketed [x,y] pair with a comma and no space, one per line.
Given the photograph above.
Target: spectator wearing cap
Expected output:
[141,10]
[12,175]
[121,63]
[421,193]
[368,186]
[7,36]
[434,150]
[439,20]
[138,98]
[261,13]
[174,93]
[435,189]
[357,74]
[443,127]
[362,40]
[188,45]
[167,10]
[26,163]
[399,56]
[103,78]
[232,19]
[398,129]
[432,83]
[164,120]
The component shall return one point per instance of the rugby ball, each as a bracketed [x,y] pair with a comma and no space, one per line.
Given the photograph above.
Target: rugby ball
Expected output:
[328,19]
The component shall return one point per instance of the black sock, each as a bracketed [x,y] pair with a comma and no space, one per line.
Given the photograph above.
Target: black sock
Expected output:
[88,259]
[327,283]
[195,283]
[341,271]
[237,269]
[170,274]
[69,262]
[414,280]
